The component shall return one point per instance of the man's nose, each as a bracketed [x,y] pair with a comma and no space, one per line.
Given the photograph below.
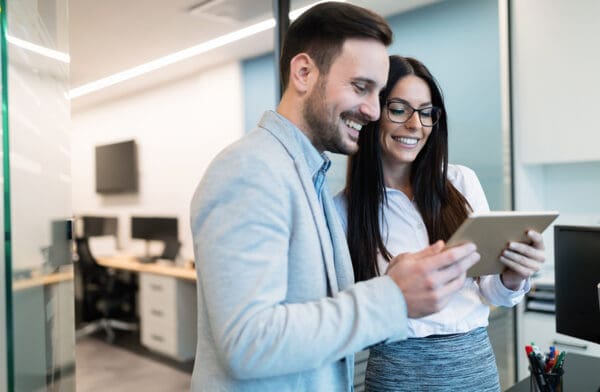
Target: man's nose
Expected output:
[370,107]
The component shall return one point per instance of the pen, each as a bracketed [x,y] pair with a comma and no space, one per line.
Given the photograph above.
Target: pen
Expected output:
[560,361]
[538,372]
[550,359]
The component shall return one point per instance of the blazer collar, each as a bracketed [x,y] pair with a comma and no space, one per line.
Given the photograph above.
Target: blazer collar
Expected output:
[292,138]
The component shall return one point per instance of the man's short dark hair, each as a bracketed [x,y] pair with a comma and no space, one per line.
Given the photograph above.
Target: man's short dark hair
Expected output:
[322,30]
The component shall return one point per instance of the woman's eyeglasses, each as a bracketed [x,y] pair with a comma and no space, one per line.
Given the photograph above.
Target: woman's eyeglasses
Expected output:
[399,112]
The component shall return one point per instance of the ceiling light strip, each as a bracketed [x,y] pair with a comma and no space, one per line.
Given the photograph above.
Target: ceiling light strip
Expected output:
[171,58]
[41,50]
[181,55]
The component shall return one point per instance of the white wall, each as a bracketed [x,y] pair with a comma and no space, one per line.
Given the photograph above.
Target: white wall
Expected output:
[556,136]
[179,127]
[555,78]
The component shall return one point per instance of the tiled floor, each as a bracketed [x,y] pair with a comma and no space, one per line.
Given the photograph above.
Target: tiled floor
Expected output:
[126,366]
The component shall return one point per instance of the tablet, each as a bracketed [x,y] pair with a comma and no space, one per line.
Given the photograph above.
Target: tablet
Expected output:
[491,232]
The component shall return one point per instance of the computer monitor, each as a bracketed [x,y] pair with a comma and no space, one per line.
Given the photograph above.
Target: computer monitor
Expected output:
[95,226]
[155,228]
[59,251]
[576,280]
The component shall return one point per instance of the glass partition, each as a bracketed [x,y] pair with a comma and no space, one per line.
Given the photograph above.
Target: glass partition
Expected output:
[37,196]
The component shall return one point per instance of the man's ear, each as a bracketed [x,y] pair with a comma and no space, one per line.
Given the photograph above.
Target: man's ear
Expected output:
[303,72]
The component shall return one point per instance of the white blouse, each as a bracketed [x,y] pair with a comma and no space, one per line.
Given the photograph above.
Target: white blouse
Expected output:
[403,230]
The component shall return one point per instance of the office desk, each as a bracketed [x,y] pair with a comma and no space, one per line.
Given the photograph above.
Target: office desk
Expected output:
[131,263]
[42,280]
[582,374]
[43,320]
[167,305]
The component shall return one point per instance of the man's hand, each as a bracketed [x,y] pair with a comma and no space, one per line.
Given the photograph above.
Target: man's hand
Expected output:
[522,260]
[430,277]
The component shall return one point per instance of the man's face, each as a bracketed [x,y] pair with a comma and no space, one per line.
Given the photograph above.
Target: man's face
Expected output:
[342,102]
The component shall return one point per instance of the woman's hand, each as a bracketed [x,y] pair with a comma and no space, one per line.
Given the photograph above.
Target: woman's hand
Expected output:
[522,260]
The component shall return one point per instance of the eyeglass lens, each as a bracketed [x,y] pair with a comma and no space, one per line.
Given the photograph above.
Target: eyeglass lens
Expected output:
[400,112]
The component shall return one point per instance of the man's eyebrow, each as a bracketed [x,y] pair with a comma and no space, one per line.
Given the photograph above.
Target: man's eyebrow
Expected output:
[368,81]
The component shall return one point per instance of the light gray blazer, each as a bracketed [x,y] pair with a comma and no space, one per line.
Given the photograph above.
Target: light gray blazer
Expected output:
[271,315]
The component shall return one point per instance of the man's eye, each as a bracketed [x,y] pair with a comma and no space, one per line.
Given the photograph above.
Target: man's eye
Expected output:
[359,87]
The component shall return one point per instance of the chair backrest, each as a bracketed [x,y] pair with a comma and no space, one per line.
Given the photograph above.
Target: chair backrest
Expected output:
[90,270]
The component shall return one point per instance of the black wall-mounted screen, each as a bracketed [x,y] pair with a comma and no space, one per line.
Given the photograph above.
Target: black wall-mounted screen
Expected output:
[153,228]
[116,168]
[576,279]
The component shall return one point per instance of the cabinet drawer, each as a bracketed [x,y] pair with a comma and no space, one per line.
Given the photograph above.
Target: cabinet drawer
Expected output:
[160,288]
[158,300]
[155,313]
[160,338]
[540,328]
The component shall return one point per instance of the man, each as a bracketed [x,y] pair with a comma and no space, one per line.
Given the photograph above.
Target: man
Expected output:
[277,308]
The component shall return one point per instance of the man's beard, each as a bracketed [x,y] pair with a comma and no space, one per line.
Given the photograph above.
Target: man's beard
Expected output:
[325,130]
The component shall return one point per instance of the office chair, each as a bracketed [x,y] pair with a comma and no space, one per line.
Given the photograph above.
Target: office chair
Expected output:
[107,300]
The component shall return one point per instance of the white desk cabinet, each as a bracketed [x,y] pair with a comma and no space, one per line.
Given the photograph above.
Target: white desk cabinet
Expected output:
[168,315]
[540,328]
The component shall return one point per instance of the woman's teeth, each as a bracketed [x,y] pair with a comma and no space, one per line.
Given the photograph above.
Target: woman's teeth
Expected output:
[411,141]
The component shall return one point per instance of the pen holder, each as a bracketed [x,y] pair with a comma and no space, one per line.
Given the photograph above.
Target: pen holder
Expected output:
[553,382]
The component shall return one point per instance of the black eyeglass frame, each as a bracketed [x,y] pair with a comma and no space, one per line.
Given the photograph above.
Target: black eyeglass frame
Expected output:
[435,109]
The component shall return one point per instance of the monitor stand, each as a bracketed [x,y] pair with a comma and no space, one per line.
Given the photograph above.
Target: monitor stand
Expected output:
[147,258]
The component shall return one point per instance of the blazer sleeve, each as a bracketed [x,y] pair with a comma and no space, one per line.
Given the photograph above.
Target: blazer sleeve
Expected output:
[241,229]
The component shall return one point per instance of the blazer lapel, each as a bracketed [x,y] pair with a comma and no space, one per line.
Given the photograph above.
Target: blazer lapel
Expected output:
[342,261]
[282,132]
[319,218]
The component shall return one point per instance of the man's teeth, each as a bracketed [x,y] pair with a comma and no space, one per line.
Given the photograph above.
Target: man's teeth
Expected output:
[353,125]
[411,141]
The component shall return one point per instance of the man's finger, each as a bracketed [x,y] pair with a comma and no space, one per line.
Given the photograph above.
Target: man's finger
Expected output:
[432,249]
[446,290]
[450,255]
[445,275]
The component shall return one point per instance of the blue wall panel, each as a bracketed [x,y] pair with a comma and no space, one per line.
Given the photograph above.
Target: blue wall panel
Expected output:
[459,41]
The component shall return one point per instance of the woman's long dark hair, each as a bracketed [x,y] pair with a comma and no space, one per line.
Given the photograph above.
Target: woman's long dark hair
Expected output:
[441,205]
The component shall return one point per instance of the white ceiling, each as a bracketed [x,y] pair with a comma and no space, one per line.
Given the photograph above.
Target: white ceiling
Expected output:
[109,36]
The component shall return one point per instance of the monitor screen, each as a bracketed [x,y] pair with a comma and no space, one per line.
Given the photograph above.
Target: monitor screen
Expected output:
[116,168]
[59,251]
[94,226]
[153,228]
[576,279]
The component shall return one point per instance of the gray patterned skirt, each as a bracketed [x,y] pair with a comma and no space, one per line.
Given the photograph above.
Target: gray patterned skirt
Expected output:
[458,362]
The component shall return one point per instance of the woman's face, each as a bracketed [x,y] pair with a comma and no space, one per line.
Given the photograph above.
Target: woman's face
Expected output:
[401,143]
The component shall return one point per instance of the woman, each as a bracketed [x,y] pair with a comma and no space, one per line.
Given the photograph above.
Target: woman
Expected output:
[401,195]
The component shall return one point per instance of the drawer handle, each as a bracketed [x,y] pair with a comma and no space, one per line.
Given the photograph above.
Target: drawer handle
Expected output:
[158,338]
[156,287]
[156,312]
[574,345]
